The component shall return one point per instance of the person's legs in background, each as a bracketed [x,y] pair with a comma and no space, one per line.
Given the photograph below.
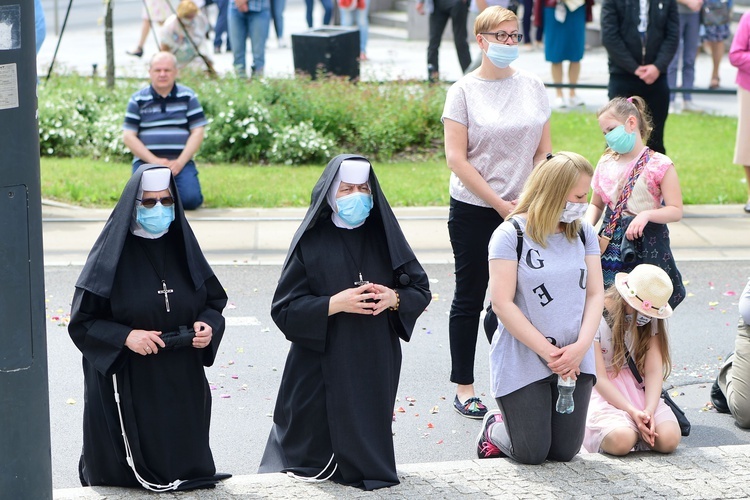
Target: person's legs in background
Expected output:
[221,26]
[717,52]
[458,14]
[574,72]
[438,20]
[657,98]
[189,187]
[309,13]
[259,24]
[277,14]
[145,29]
[528,12]
[674,66]
[691,37]
[238,31]
[327,11]
[363,22]
[557,77]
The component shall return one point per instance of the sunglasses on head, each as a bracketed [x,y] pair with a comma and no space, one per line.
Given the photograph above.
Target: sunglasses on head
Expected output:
[167,201]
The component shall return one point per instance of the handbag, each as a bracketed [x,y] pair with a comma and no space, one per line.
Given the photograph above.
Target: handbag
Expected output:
[682,419]
[605,235]
[715,13]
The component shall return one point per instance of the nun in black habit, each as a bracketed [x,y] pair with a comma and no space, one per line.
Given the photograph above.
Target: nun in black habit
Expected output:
[147,316]
[350,290]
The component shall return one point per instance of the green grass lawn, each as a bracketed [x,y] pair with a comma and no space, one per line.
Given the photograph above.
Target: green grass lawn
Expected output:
[700,146]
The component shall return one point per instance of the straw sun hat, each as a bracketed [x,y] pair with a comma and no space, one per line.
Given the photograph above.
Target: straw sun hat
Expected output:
[647,289]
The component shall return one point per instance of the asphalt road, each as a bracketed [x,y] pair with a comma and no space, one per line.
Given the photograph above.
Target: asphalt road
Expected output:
[248,369]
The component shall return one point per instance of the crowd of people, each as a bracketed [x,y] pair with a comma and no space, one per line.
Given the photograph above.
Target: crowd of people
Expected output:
[578,313]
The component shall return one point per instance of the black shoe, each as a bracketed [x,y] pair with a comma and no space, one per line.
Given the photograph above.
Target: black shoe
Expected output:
[137,52]
[718,399]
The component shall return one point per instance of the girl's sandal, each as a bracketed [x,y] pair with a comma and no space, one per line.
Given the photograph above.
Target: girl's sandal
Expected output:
[714,84]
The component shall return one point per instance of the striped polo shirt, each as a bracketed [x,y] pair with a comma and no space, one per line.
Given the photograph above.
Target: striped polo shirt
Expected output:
[163,124]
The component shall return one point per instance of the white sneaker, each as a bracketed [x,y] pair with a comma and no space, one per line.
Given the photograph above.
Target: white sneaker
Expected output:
[691,107]
[575,101]
[282,43]
[560,102]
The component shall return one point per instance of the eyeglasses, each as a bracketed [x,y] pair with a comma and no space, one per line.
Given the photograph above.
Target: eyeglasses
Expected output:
[502,36]
[167,201]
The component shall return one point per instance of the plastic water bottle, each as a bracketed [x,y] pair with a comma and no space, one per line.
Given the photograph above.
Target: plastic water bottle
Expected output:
[565,403]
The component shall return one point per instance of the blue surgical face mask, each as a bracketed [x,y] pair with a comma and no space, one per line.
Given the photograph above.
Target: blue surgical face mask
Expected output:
[155,220]
[620,141]
[500,54]
[573,211]
[354,208]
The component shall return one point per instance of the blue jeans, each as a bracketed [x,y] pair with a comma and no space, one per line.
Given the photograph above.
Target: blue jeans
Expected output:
[327,12]
[277,14]
[188,186]
[249,24]
[690,25]
[221,24]
[348,19]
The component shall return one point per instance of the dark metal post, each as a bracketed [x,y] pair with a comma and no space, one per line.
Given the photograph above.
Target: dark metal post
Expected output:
[25,449]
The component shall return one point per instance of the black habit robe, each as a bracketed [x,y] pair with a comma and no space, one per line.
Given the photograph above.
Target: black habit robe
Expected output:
[165,398]
[339,384]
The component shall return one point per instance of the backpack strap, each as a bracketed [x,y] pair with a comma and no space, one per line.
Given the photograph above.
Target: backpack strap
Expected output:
[519,234]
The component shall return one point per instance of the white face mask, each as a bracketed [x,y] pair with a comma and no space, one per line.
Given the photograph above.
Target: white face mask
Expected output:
[640,319]
[573,211]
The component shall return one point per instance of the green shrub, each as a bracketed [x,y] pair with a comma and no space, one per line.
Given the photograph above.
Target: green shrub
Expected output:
[285,121]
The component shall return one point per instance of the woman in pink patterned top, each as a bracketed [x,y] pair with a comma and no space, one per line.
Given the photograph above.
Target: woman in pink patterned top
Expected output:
[655,199]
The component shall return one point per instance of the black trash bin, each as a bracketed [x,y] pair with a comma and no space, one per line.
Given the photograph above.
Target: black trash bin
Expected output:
[332,50]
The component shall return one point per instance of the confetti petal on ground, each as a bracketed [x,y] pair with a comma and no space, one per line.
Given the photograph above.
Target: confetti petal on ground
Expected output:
[440,442]
[70,401]
[400,409]
[225,396]
[235,377]
[430,426]
[713,304]
[230,362]
[729,293]
[434,409]
[411,399]
[266,329]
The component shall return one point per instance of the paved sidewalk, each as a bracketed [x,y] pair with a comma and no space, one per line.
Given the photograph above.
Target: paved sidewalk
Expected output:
[697,473]
[262,236]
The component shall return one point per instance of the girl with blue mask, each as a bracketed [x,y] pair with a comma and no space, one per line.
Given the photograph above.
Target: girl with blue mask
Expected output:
[648,184]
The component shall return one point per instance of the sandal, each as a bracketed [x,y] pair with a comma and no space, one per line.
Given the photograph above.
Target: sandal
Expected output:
[471,408]
[714,84]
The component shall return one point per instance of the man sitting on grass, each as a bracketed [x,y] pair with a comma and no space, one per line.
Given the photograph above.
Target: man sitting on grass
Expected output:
[164,125]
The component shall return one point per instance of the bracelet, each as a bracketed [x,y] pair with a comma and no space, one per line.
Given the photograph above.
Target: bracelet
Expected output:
[398,302]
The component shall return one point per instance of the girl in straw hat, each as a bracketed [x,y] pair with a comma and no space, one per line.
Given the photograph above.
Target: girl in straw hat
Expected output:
[623,417]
